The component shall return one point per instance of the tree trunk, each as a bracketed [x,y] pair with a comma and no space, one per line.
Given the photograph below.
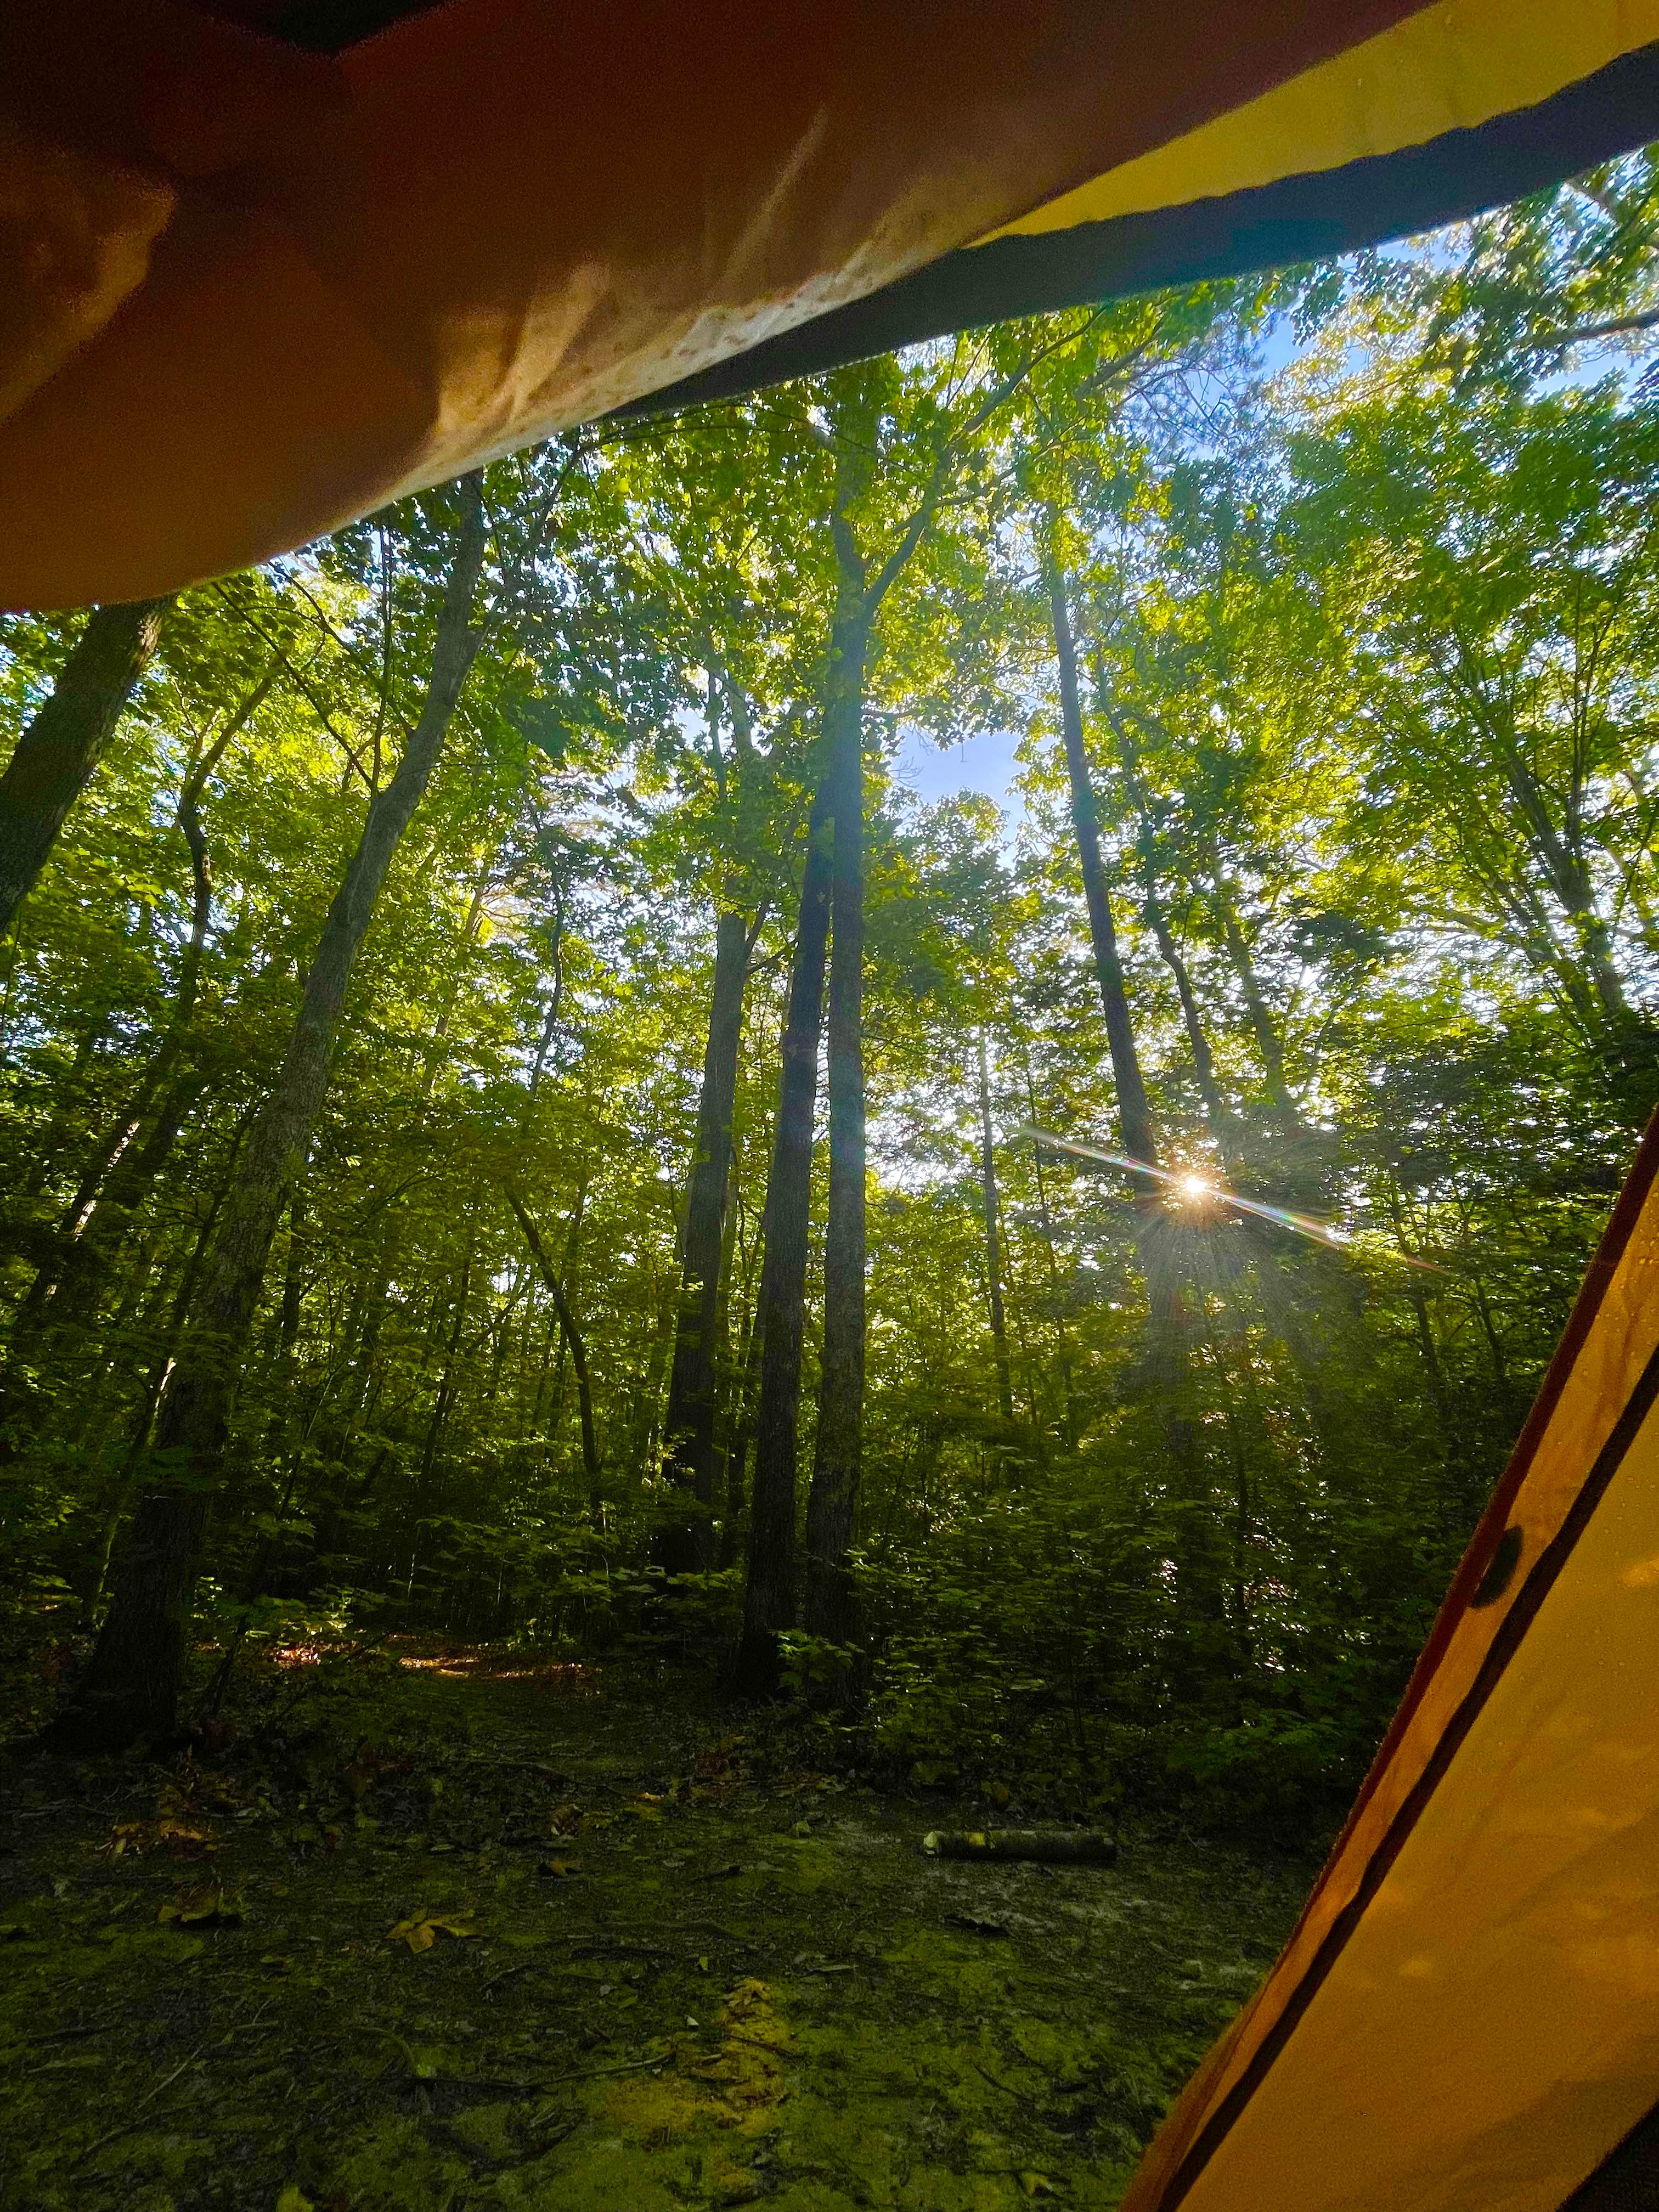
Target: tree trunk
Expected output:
[156,1378]
[573,1336]
[988,1169]
[130,1686]
[769,1591]
[567,1277]
[1134,1116]
[1169,1364]
[118,1177]
[832,1502]
[688,1425]
[747,1390]
[644,1456]
[57,753]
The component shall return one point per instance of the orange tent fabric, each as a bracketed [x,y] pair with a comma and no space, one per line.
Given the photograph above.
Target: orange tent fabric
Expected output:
[260,272]
[1467,2016]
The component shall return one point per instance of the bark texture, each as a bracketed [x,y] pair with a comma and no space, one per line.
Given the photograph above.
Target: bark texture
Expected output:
[769,1593]
[56,755]
[688,1425]
[832,1502]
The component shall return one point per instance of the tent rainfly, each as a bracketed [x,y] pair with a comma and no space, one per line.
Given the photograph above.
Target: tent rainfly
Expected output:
[267,264]
[1466,2018]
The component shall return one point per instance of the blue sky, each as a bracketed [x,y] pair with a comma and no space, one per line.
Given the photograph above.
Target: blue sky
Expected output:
[984,764]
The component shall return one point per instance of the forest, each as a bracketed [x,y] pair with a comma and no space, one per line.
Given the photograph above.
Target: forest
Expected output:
[925,1064]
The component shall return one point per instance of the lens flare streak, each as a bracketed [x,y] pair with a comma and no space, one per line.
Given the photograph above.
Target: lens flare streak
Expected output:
[1195,1187]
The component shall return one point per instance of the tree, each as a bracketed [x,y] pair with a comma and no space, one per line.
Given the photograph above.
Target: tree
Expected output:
[130,1686]
[59,749]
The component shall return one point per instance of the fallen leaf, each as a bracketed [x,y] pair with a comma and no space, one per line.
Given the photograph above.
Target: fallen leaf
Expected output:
[291,2200]
[1037,2184]
[420,1930]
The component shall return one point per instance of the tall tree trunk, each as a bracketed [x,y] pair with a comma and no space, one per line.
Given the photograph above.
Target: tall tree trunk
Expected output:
[568,1277]
[1134,1116]
[58,750]
[832,1501]
[987,1178]
[131,1687]
[688,1425]
[573,1336]
[644,1456]
[746,1390]
[770,1590]
[1170,1364]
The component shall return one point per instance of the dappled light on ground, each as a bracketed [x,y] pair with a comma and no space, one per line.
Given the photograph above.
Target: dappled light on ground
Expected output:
[466,1662]
[419,1939]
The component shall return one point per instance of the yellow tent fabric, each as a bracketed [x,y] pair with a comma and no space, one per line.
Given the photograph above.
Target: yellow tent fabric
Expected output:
[1454,66]
[1467,2016]
[264,266]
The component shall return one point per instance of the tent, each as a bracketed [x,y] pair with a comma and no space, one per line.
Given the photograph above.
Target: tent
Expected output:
[1466,2017]
[265,264]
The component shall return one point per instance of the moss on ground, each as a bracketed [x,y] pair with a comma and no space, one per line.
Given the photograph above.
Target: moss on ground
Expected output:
[637,1968]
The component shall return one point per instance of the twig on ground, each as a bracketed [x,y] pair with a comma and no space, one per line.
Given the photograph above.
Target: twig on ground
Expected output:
[617,1943]
[135,2121]
[592,2073]
[985,2076]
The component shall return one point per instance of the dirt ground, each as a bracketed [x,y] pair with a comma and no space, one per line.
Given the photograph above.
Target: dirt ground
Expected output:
[445,1937]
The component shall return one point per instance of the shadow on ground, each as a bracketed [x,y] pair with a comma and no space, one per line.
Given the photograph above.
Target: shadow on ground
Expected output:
[450,1938]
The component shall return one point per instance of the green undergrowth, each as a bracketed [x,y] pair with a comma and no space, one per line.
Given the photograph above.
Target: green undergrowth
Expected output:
[462,1936]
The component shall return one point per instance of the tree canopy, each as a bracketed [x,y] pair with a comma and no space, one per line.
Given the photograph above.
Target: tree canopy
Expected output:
[394,1031]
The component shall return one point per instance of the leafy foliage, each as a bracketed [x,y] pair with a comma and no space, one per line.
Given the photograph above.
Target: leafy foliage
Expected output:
[1370,656]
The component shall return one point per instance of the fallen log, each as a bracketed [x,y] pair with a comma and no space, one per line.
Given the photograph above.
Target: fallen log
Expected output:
[1055,1846]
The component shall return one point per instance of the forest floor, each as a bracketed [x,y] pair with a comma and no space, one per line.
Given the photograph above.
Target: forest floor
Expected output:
[448,1935]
